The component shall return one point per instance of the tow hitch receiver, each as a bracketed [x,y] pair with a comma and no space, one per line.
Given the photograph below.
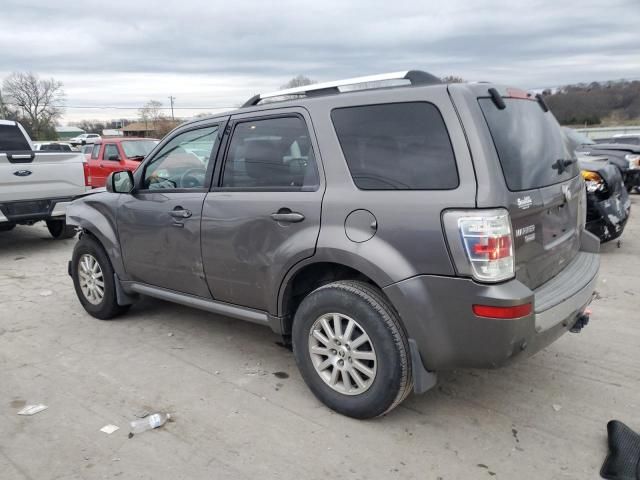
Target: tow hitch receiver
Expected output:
[581,322]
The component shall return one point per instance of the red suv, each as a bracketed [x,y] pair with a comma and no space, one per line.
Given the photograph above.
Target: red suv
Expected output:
[115,154]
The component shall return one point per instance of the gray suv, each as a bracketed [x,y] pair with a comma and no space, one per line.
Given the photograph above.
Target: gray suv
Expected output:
[389,227]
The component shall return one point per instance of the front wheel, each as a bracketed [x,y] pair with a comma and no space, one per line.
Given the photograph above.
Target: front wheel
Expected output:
[60,230]
[352,350]
[94,281]
[6,227]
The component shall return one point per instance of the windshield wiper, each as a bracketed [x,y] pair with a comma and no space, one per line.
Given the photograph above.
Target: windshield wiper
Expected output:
[136,157]
[562,163]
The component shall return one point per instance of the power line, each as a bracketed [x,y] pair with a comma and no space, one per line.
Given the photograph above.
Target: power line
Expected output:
[118,107]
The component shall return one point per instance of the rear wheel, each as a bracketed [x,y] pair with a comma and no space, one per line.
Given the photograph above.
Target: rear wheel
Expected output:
[60,230]
[94,281]
[351,349]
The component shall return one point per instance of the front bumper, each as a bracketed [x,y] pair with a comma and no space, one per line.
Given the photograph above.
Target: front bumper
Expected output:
[29,211]
[437,313]
[606,218]
[632,179]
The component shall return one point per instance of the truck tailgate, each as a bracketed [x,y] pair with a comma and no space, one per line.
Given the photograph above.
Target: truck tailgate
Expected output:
[48,175]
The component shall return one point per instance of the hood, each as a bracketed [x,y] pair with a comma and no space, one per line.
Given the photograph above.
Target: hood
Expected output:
[602,167]
[623,147]
[90,192]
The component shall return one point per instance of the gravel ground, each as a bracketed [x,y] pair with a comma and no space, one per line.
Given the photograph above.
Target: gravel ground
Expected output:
[241,409]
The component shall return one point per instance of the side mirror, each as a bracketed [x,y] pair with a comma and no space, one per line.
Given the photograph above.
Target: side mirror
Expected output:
[120,182]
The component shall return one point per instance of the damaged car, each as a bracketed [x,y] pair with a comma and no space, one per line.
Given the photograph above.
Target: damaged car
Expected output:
[625,156]
[608,203]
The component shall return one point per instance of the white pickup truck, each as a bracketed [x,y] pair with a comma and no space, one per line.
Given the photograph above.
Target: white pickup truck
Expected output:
[37,185]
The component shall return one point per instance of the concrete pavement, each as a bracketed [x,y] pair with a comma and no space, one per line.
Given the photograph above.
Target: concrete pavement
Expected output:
[241,410]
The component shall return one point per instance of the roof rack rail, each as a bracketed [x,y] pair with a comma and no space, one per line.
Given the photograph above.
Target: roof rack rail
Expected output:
[416,77]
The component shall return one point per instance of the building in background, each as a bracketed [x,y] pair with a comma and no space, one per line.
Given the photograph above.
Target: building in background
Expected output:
[157,129]
[65,133]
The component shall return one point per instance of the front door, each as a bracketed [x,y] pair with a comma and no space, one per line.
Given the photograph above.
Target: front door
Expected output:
[263,215]
[111,161]
[159,224]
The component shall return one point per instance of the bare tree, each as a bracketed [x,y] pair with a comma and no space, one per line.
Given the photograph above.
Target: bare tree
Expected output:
[38,100]
[151,112]
[452,79]
[298,81]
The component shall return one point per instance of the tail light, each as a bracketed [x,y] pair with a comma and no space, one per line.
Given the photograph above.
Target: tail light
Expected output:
[481,242]
[87,174]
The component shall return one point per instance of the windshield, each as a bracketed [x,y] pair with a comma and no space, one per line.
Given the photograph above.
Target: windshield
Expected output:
[138,148]
[577,138]
[530,144]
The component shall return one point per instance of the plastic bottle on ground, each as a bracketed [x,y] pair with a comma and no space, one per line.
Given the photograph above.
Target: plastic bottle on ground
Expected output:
[152,421]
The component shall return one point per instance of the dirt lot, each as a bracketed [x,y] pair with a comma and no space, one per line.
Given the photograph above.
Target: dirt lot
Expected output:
[242,411]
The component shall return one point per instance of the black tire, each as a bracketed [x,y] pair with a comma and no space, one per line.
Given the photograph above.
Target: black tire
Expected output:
[5,227]
[365,304]
[60,230]
[108,308]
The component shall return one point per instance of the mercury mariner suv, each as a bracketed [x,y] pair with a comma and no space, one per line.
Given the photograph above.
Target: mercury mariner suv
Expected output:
[389,227]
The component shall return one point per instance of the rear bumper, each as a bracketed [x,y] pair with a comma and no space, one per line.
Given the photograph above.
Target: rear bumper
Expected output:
[29,211]
[437,313]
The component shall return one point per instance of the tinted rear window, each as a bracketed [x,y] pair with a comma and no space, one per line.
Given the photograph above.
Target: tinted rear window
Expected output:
[399,146]
[12,139]
[529,143]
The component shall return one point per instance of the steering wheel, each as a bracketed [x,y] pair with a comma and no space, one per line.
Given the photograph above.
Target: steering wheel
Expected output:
[191,178]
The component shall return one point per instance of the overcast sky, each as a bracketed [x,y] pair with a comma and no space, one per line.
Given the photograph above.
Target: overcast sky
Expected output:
[214,54]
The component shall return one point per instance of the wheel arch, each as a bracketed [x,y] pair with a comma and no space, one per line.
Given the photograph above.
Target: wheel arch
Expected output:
[316,271]
[101,225]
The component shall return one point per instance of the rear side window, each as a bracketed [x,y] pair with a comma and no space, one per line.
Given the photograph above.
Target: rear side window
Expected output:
[531,146]
[398,146]
[271,154]
[95,152]
[12,139]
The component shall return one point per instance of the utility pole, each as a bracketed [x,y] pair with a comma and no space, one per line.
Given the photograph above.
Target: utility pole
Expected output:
[171,99]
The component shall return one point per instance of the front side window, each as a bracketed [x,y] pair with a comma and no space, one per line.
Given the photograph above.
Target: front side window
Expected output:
[271,154]
[396,146]
[182,163]
[111,152]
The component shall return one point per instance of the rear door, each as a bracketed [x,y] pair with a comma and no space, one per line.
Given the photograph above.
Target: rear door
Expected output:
[96,173]
[545,191]
[263,215]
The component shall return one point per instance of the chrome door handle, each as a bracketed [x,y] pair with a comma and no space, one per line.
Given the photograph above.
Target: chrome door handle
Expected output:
[179,212]
[286,215]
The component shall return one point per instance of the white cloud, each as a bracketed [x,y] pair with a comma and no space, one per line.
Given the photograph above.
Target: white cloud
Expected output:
[217,54]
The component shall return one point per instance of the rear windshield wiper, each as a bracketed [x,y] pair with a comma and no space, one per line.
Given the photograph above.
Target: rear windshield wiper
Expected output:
[562,164]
